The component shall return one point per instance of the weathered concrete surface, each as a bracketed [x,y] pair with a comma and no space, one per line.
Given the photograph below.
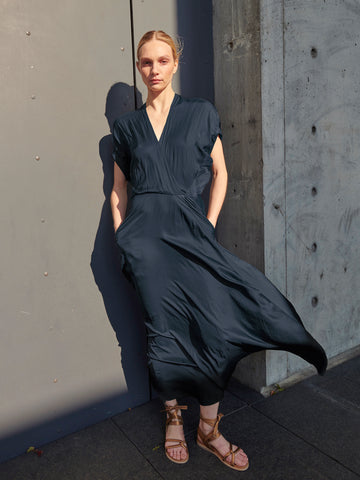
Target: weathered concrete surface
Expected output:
[311,112]
[236,32]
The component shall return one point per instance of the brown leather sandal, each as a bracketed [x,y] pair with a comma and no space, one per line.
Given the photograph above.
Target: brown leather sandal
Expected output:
[204,442]
[175,419]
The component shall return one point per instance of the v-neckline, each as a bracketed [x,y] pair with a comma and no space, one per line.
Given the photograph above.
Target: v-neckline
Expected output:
[158,140]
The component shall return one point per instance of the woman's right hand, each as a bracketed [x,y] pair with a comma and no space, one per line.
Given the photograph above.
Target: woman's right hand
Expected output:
[118,198]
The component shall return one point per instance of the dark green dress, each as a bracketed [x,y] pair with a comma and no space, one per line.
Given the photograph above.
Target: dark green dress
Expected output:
[204,308]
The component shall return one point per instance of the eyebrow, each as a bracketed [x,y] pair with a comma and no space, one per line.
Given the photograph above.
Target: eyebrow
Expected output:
[161,57]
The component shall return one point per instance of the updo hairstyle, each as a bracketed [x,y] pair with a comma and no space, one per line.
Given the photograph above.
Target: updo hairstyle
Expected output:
[175,45]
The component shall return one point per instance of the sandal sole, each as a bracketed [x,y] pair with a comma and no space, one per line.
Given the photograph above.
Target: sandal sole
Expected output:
[235,467]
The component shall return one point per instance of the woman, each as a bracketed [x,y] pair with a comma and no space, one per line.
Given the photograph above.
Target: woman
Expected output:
[204,308]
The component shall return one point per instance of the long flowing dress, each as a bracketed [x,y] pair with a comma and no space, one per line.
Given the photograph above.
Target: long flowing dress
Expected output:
[204,308]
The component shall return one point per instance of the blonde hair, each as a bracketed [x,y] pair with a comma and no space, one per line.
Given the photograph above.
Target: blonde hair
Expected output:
[175,45]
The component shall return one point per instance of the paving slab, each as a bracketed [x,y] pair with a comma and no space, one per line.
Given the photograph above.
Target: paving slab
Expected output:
[99,452]
[145,425]
[246,394]
[326,416]
[349,370]
[274,452]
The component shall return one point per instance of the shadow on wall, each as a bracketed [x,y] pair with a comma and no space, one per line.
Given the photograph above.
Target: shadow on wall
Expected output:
[194,26]
[119,296]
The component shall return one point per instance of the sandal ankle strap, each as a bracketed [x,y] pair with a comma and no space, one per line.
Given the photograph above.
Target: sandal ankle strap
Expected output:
[213,423]
[173,417]
[168,408]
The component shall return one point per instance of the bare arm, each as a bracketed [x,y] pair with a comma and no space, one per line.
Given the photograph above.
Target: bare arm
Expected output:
[219,182]
[118,198]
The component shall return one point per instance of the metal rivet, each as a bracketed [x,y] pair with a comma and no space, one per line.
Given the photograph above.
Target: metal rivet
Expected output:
[33,97]
[314,301]
[37,158]
[314,247]
[43,220]
[235,245]
[31,66]
[46,274]
[313,129]
[28,33]
[230,46]
[122,49]
[55,380]
[314,191]
[314,52]
[276,206]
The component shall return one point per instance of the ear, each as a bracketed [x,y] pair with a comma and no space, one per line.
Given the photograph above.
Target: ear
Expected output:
[138,65]
[176,65]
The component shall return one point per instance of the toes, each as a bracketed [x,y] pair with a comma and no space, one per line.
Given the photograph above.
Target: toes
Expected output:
[242,457]
[177,453]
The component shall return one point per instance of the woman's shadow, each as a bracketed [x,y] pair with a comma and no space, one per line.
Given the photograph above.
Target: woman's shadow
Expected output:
[119,296]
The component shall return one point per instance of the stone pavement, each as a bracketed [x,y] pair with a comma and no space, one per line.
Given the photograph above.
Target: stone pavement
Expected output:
[310,431]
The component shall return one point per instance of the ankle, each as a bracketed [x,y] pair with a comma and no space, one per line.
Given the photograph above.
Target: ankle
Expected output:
[205,427]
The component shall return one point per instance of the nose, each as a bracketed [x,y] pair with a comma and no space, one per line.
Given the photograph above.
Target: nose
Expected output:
[154,69]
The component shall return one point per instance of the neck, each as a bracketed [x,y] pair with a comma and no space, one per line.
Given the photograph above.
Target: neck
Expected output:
[160,101]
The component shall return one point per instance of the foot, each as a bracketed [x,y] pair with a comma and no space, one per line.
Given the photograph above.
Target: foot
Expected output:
[175,431]
[222,445]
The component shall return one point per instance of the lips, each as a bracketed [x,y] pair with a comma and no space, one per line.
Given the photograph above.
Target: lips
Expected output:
[155,81]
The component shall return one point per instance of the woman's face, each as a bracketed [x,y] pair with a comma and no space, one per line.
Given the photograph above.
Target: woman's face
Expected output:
[156,65]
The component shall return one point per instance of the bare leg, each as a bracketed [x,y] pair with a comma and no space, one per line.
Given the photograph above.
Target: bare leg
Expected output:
[175,431]
[222,445]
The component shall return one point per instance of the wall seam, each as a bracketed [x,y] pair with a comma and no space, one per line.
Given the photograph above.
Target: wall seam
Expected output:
[284,137]
[285,172]
[133,51]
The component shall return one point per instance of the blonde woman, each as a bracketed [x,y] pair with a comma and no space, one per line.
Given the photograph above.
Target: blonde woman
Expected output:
[204,308]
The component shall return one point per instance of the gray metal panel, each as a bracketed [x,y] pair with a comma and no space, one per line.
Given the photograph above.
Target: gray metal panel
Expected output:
[58,349]
[322,58]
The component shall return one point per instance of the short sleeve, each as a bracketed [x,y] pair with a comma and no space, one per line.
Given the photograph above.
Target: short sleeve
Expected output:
[120,152]
[214,127]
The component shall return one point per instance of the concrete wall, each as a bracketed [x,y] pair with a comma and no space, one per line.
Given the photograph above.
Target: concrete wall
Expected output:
[72,340]
[237,77]
[311,111]
[306,132]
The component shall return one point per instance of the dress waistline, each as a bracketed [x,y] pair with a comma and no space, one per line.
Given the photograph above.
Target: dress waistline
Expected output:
[163,192]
